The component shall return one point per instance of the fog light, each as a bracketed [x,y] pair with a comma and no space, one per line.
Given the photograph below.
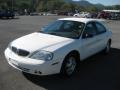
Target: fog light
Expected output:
[37,72]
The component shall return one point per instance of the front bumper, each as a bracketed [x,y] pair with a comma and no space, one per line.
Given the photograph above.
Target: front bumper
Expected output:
[32,66]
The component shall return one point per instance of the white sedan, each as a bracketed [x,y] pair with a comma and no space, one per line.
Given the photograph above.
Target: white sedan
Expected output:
[59,47]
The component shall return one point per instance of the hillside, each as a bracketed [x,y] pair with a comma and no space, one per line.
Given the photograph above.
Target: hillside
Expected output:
[85,3]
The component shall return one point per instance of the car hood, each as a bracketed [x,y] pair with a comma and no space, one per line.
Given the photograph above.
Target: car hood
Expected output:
[36,41]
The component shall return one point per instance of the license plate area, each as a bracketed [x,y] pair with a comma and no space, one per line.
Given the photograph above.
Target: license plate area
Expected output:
[15,63]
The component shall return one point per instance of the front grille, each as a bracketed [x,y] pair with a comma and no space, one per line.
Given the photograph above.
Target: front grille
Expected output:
[14,49]
[20,52]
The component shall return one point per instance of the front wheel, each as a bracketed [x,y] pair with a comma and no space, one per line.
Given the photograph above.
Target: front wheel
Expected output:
[69,65]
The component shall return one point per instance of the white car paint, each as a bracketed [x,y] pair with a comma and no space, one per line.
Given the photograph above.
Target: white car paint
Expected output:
[82,14]
[59,46]
[41,41]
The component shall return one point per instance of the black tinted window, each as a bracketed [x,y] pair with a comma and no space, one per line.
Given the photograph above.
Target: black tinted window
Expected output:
[64,28]
[90,29]
[100,28]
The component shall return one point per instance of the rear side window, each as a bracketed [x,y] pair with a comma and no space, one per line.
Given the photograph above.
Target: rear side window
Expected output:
[100,28]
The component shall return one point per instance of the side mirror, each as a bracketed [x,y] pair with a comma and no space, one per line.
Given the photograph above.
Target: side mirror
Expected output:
[87,36]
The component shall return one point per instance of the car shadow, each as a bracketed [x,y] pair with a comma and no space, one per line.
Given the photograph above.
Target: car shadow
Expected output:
[15,18]
[96,73]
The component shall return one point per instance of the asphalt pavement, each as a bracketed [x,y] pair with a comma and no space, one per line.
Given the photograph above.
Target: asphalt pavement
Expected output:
[99,72]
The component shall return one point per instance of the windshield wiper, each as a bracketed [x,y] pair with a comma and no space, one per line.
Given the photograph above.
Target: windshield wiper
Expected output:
[41,31]
[53,33]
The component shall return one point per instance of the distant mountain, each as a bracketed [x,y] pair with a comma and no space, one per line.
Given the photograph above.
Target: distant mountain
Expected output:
[100,6]
[69,1]
[85,3]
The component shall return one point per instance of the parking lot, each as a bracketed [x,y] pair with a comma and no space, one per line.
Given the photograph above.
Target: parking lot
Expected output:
[99,72]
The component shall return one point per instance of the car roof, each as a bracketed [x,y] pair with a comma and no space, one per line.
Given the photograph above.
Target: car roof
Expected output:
[84,20]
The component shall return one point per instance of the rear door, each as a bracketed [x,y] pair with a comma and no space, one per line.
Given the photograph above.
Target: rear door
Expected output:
[101,35]
[89,40]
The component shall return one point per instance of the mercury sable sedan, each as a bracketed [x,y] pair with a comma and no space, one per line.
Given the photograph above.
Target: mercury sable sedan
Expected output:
[59,47]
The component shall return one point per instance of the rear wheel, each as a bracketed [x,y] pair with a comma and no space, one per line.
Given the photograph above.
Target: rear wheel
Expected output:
[69,65]
[108,46]
[12,17]
[7,17]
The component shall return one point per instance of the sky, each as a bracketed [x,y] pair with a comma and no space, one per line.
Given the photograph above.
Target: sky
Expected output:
[104,2]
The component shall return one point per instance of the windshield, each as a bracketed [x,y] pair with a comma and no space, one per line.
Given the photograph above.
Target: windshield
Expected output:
[64,28]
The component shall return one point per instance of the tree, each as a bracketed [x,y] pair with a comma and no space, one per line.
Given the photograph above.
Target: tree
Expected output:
[66,7]
[92,9]
[117,7]
[49,5]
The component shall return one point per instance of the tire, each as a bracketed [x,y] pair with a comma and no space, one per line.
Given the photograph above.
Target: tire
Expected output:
[7,17]
[108,47]
[69,65]
[12,17]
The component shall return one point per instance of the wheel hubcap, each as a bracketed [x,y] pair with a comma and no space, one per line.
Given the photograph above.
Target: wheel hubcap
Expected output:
[70,65]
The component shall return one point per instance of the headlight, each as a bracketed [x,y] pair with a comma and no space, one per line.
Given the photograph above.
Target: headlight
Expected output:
[42,55]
